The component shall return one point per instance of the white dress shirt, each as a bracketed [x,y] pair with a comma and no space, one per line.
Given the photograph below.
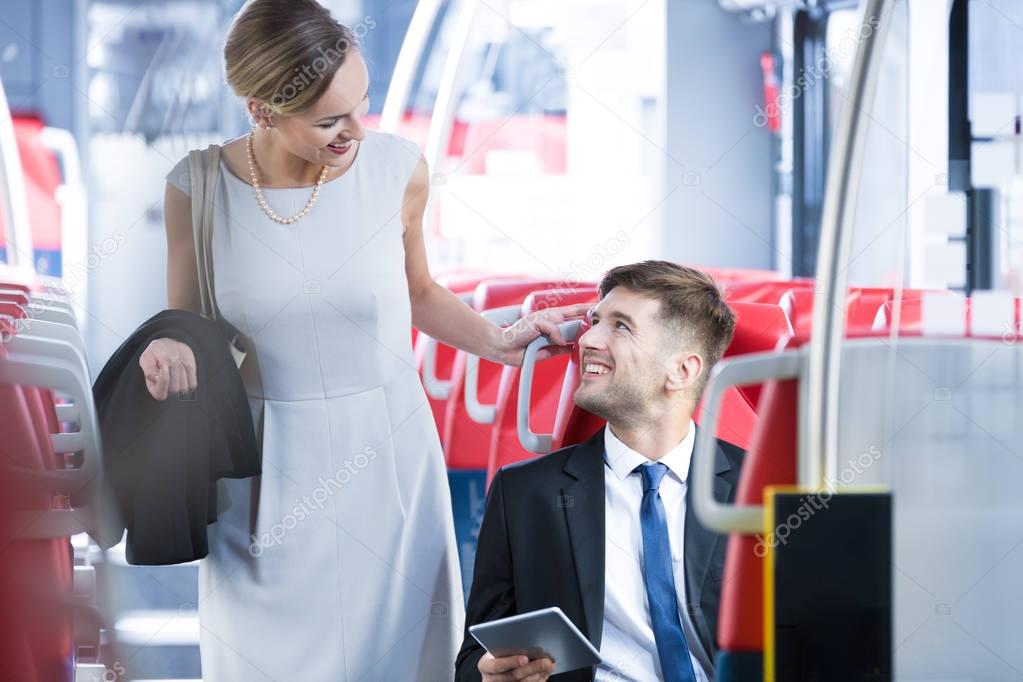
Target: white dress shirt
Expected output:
[628,642]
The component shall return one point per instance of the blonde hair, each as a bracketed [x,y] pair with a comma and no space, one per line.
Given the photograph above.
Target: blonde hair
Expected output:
[285,53]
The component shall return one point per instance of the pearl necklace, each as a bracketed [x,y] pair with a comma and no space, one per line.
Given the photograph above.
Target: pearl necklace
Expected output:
[259,192]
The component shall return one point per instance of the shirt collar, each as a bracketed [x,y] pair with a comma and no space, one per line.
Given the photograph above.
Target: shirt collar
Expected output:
[623,460]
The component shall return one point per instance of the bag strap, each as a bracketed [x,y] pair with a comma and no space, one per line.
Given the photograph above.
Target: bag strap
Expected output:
[204,169]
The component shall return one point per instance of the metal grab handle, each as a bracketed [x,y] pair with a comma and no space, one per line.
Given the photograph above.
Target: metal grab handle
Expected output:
[539,443]
[478,412]
[53,339]
[51,313]
[40,330]
[57,365]
[52,301]
[43,368]
[436,388]
[55,331]
[754,368]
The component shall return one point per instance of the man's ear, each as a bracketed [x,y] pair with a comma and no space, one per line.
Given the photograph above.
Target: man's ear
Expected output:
[685,371]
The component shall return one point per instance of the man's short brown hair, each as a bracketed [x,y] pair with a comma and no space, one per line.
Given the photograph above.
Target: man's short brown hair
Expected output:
[692,306]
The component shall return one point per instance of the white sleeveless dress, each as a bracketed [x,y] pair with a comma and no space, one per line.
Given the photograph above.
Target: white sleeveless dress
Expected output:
[339,563]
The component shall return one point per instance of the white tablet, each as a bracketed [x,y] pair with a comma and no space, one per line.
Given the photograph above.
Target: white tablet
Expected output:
[547,632]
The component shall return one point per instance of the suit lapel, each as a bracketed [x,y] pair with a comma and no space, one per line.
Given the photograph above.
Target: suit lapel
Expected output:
[701,545]
[582,498]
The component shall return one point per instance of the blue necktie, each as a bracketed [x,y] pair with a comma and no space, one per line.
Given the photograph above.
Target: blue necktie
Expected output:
[672,649]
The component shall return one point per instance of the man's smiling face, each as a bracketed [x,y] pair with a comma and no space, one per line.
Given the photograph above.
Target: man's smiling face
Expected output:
[623,364]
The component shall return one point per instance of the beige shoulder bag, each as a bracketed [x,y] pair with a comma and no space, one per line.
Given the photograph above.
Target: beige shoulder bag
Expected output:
[204,169]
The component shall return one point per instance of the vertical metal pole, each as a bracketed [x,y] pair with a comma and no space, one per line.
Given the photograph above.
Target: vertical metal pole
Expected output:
[408,60]
[817,449]
[448,90]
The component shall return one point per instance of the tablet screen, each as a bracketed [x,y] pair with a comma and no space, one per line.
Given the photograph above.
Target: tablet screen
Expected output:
[547,632]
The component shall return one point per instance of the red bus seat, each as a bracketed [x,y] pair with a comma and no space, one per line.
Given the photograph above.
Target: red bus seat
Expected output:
[861,307]
[729,275]
[759,327]
[36,573]
[770,291]
[462,284]
[770,460]
[912,323]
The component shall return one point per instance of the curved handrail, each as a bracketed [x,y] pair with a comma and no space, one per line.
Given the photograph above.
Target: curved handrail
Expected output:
[60,366]
[51,313]
[478,412]
[436,387]
[438,137]
[55,331]
[400,84]
[539,443]
[50,365]
[754,368]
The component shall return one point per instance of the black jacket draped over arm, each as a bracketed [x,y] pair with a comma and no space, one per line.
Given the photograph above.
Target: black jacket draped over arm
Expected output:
[162,458]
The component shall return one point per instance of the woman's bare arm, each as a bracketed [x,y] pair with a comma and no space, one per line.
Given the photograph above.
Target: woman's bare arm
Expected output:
[168,364]
[182,278]
[435,310]
[440,314]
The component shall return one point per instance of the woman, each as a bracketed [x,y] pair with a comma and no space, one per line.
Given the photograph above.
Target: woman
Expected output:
[339,562]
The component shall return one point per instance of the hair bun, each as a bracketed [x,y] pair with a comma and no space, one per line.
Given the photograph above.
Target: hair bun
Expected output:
[285,52]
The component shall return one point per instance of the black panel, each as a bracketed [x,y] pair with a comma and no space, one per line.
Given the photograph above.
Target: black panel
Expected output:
[959,136]
[833,588]
[810,140]
[980,231]
[980,203]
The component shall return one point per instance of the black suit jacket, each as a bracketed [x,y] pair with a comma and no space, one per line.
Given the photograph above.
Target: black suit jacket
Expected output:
[542,544]
[162,458]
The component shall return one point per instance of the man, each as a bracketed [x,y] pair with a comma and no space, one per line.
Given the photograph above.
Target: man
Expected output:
[604,529]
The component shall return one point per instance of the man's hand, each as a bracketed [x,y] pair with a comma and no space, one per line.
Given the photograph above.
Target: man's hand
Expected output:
[515,668]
